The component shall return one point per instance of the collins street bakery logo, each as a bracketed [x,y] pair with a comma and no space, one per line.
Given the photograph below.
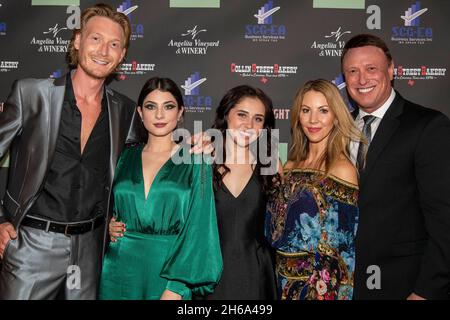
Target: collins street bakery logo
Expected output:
[134,68]
[265,30]
[54,40]
[332,44]
[263,71]
[418,73]
[137,29]
[191,42]
[193,100]
[6,66]
[412,32]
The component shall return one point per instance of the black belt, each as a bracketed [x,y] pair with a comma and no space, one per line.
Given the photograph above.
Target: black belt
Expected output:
[67,228]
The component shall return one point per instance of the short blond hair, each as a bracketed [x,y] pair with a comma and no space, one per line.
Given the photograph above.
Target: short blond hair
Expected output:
[99,10]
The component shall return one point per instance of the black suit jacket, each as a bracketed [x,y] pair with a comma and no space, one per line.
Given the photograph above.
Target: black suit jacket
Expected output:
[29,128]
[404,202]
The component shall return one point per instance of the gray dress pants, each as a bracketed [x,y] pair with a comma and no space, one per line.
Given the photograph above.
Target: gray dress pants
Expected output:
[44,265]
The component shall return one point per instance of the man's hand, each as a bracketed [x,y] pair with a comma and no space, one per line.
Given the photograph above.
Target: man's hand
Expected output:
[7,232]
[201,144]
[414,296]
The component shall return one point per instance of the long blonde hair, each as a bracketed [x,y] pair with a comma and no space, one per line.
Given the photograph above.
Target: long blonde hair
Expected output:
[344,129]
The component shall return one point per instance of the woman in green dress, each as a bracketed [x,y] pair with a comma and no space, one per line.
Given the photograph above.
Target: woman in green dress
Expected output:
[165,242]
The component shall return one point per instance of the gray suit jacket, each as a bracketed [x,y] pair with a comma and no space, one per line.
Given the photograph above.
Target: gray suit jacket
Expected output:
[29,128]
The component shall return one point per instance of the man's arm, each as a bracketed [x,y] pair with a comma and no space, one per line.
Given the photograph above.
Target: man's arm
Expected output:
[10,119]
[432,165]
[10,127]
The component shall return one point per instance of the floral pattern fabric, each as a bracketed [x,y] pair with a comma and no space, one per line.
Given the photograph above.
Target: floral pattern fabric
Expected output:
[312,221]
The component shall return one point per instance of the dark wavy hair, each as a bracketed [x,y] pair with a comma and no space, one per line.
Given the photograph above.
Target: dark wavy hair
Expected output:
[228,102]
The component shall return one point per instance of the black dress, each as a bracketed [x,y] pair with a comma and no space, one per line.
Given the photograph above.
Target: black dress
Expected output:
[248,265]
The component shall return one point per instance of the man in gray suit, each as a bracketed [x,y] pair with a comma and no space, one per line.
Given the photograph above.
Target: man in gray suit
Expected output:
[64,137]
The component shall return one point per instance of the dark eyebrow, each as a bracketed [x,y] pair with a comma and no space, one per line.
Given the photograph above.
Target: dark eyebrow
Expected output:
[325,105]
[246,112]
[166,102]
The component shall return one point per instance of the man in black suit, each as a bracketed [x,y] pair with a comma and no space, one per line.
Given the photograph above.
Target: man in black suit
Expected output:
[64,137]
[403,238]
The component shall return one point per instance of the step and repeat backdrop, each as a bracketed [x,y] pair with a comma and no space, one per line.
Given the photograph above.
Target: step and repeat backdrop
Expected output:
[210,46]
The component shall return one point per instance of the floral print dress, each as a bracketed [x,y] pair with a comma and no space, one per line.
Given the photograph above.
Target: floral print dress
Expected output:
[311,221]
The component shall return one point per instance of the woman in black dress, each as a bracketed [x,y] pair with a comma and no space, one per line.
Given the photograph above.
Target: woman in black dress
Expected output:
[245,118]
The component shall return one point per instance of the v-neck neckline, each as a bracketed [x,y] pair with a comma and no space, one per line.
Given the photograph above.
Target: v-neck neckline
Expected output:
[243,189]
[146,196]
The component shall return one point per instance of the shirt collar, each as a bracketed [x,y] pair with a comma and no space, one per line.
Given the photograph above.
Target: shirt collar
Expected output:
[380,112]
[69,95]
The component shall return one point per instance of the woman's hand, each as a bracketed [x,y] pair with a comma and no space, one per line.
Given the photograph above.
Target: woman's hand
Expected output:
[170,295]
[116,229]
[201,144]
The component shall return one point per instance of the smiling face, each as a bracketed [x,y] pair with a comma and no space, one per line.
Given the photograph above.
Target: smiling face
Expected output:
[316,117]
[245,121]
[100,47]
[160,113]
[368,76]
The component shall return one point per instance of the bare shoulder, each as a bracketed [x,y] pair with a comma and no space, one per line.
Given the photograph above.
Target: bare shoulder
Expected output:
[288,165]
[345,170]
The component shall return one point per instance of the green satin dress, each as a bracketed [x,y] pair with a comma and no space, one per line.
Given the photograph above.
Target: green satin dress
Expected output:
[171,239]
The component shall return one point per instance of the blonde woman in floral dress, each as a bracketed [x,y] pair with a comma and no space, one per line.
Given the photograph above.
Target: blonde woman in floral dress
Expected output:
[312,217]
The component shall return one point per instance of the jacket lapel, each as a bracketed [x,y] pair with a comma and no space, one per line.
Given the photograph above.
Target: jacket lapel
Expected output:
[56,100]
[114,130]
[386,129]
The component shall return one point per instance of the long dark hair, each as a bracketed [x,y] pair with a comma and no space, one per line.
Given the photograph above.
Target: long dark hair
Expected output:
[228,102]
